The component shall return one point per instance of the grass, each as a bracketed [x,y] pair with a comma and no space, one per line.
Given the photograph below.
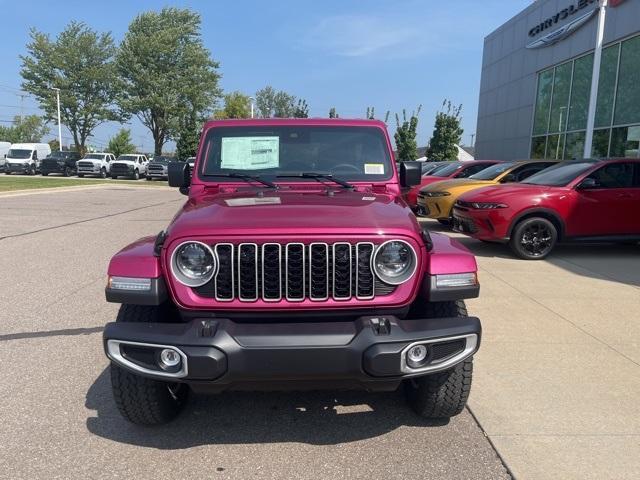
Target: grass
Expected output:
[9,183]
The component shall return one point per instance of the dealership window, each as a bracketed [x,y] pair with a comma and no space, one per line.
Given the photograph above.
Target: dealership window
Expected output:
[562,104]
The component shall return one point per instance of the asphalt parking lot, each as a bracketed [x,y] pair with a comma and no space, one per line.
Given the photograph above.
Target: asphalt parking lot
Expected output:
[58,417]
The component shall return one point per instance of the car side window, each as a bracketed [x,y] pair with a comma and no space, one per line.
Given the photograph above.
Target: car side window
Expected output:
[527,170]
[614,175]
[467,172]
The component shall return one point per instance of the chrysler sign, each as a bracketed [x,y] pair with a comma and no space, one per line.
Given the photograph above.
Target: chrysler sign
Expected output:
[571,12]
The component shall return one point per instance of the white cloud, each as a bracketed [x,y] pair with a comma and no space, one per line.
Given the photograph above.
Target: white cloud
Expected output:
[361,35]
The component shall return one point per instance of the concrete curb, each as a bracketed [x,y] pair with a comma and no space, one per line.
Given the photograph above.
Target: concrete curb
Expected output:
[36,191]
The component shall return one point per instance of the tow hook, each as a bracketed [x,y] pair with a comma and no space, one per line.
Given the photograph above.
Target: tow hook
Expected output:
[381,325]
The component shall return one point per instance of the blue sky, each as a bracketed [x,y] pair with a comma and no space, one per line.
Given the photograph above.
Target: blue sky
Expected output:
[346,54]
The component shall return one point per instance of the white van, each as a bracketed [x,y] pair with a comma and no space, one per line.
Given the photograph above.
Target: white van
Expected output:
[4,149]
[26,157]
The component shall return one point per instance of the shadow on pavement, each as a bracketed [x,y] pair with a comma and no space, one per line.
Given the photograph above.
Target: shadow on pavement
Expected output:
[605,261]
[316,418]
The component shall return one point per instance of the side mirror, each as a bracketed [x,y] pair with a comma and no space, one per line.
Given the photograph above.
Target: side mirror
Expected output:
[179,175]
[587,184]
[410,174]
[510,178]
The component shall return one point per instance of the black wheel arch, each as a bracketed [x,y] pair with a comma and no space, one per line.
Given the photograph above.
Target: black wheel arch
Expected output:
[547,213]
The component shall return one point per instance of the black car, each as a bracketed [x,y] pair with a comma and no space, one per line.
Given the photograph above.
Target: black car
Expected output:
[60,162]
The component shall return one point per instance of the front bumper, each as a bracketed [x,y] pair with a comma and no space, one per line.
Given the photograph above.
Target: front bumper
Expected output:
[219,354]
[52,168]
[434,207]
[153,174]
[481,224]
[17,167]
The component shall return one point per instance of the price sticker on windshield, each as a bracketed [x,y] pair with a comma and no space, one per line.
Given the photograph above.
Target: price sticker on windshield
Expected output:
[374,168]
[250,153]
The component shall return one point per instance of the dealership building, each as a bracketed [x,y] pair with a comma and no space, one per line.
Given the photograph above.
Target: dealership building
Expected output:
[539,97]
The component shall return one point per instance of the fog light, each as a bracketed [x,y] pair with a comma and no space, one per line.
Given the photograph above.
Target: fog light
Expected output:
[416,355]
[169,359]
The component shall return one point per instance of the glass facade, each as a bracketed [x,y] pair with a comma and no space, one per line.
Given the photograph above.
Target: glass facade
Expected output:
[562,104]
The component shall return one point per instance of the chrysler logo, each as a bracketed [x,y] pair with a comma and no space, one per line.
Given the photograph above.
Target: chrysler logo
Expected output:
[563,32]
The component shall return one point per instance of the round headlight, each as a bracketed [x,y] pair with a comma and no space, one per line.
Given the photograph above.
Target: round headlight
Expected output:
[395,262]
[193,263]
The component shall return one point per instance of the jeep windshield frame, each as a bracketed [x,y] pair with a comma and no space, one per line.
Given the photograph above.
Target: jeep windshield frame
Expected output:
[350,153]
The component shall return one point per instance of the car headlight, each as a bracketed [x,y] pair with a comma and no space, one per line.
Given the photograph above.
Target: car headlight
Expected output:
[437,194]
[193,263]
[395,262]
[487,205]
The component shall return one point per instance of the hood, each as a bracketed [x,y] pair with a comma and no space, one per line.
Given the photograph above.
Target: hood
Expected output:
[503,193]
[254,211]
[456,183]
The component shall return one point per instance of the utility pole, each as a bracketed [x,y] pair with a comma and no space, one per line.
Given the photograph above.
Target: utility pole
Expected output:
[595,78]
[59,124]
[251,99]
[473,136]
[22,95]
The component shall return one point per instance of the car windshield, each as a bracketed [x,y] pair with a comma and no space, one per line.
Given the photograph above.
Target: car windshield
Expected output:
[130,158]
[446,170]
[559,175]
[19,153]
[61,155]
[348,153]
[94,156]
[492,172]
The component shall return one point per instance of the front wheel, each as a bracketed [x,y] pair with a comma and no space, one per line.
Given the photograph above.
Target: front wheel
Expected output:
[81,175]
[67,172]
[149,179]
[136,175]
[443,394]
[533,238]
[114,177]
[32,170]
[103,172]
[44,174]
[141,400]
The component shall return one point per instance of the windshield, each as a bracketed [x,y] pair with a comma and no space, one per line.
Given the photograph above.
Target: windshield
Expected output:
[560,175]
[446,170]
[130,158]
[19,153]
[492,172]
[349,153]
[94,156]
[61,155]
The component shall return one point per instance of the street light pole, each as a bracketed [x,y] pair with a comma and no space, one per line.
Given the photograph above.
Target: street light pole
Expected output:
[59,124]
[595,78]
[251,99]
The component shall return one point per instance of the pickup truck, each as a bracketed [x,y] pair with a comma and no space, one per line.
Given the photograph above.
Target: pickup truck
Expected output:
[159,167]
[60,162]
[293,264]
[95,164]
[131,166]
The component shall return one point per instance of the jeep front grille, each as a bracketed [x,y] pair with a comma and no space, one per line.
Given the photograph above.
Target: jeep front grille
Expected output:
[294,272]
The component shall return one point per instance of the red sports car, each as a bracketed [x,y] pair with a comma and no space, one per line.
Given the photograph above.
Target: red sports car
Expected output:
[580,200]
[454,170]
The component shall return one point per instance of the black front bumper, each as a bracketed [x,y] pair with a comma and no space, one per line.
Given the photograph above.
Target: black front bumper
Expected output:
[220,354]
[54,168]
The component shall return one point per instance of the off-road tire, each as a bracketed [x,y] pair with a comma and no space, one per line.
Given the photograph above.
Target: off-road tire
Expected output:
[443,394]
[141,400]
[515,242]
[67,172]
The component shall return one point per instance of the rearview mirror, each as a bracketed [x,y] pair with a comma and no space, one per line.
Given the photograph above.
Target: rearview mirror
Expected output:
[179,175]
[587,184]
[410,174]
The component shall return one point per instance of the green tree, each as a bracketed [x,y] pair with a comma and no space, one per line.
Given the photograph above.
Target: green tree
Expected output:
[272,103]
[447,134]
[121,143]
[167,72]
[80,63]
[27,129]
[371,114]
[54,145]
[188,137]
[301,110]
[405,136]
[236,105]
[333,113]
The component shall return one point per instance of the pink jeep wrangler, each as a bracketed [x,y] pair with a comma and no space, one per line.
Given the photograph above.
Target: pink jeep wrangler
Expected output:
[294,264]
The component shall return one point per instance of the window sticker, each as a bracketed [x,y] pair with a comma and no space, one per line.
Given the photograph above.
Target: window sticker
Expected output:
[374,168]
[250,153]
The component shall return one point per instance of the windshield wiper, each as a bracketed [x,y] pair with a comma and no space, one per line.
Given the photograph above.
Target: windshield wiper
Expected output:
[246,178]
[319,176]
